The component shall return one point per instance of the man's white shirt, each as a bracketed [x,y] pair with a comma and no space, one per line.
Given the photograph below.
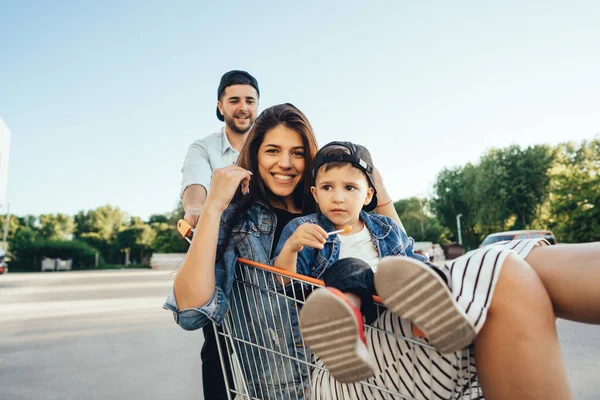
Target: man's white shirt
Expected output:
[203,156]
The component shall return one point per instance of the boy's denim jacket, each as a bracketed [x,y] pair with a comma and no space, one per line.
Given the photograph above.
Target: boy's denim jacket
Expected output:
[254,303]
[388,239]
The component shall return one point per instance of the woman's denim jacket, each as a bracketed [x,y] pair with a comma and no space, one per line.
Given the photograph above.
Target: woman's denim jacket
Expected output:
[387,237]
[261,316]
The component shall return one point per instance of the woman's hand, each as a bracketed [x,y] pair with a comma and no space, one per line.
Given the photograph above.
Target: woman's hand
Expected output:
[382,194]
[306,235]
[224,184]
[385,205]
[195,282]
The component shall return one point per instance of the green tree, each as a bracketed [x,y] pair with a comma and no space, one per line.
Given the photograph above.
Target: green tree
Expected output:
[105,221]
[136,221]
[24,236]
[138,239]
[512,186]
[418,221]
[158,218]
[14,224]
[454,193]
[167,239]
[56,226]
[21,231]
[505,191]
[573,208]
[99,228]
[28,220]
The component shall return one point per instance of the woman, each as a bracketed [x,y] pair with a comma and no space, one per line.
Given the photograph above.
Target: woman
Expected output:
[269,186]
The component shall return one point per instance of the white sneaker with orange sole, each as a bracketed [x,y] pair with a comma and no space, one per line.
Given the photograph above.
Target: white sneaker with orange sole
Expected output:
[333,329]
[414,291]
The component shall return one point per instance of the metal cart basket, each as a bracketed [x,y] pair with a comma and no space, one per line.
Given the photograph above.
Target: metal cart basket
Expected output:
[260,364]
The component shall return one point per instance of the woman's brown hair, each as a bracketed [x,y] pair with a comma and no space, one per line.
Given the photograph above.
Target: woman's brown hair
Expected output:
[289,116]
[292,118]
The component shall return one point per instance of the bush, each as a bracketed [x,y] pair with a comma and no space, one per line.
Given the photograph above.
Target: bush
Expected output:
[28,255]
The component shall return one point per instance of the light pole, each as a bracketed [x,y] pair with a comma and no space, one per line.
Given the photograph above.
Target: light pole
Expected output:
[458,227]
[6,221]
[4,150]
[422,204]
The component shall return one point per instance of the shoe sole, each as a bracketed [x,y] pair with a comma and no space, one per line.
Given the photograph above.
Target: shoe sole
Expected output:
[412,290]
[329,328]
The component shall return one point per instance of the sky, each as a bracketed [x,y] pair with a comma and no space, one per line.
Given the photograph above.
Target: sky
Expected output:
[103,98]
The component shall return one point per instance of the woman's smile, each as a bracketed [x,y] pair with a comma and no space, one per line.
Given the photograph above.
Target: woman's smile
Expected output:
[284,178]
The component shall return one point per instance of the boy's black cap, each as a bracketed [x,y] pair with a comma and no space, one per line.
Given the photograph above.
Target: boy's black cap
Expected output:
[235,77]
[359,157]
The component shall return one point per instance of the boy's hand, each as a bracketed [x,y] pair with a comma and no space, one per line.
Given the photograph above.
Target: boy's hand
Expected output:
[306,235]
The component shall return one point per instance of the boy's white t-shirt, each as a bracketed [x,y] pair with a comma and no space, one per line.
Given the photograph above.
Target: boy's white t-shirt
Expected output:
[359,245]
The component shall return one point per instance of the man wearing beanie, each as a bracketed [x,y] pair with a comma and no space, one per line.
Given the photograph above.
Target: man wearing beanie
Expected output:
[237,104]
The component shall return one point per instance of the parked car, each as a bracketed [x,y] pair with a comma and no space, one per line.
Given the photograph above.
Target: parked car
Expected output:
[514,235]
[3,265]
[423,248]
[432,251]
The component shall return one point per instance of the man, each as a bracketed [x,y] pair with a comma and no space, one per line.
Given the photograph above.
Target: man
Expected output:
[237,105]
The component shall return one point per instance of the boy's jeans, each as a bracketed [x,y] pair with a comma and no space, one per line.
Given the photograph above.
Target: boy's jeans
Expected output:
[353,275]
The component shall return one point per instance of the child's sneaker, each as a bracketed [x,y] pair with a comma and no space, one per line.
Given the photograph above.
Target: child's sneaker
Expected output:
[415,291]
[333,329]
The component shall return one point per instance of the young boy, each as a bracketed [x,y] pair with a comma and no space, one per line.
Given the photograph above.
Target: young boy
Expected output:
[348,260]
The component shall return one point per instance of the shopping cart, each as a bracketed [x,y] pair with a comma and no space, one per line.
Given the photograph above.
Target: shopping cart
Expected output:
[261,368]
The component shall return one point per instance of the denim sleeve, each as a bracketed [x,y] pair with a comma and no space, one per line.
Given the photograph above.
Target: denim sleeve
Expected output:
[305,257]
[288,231]
[304,260]
[409,245]
[191,319]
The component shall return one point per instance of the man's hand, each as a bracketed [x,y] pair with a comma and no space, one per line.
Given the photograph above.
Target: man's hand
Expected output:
[306,235]
[193,200]
[192,215]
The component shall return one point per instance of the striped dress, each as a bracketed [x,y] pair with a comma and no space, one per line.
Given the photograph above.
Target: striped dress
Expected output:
[412,369]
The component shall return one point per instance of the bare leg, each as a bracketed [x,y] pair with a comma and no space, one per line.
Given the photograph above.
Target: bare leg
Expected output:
[571,275]
[517,351]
